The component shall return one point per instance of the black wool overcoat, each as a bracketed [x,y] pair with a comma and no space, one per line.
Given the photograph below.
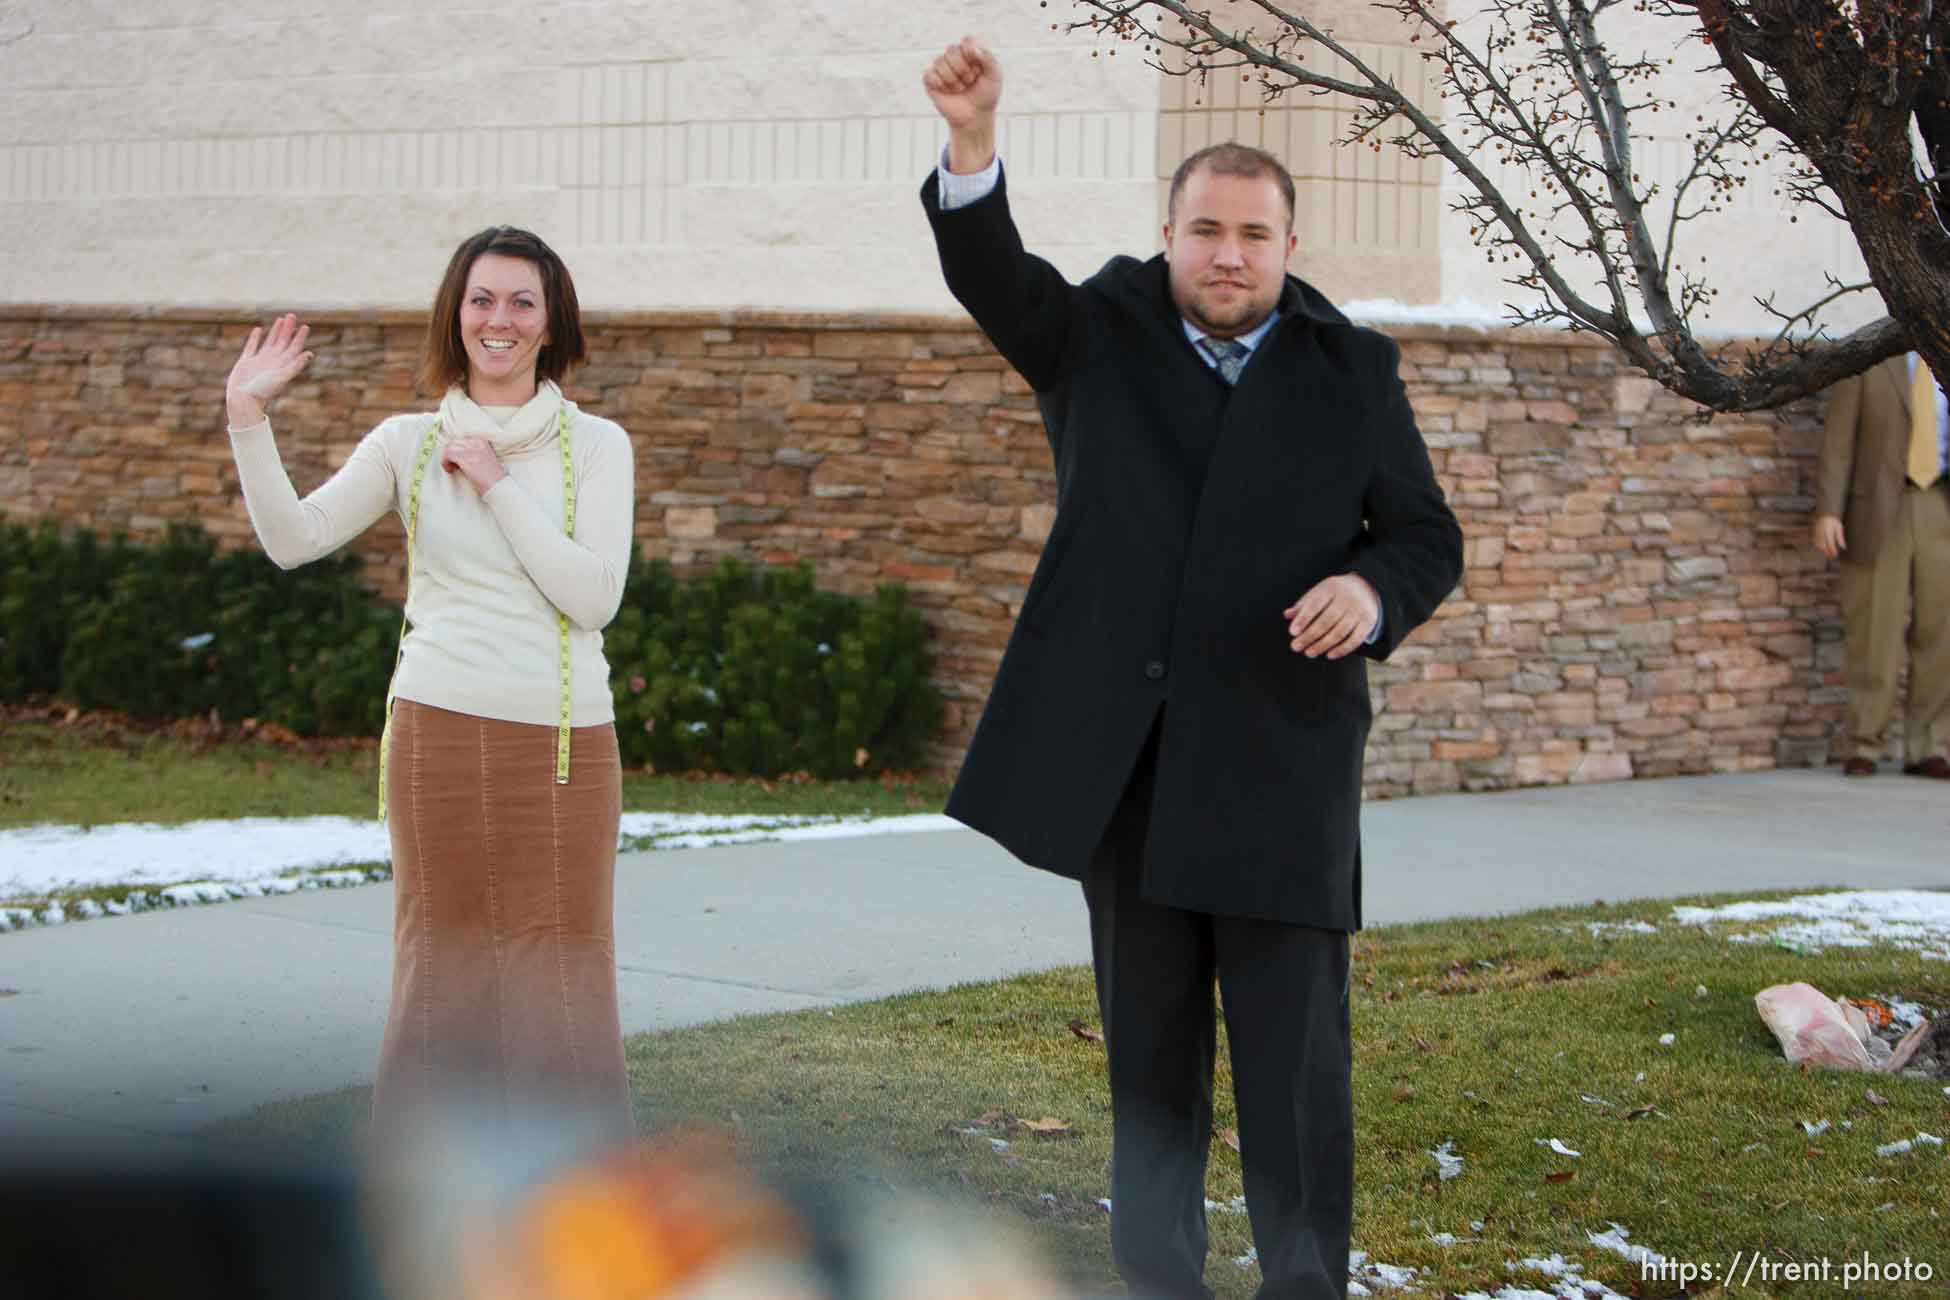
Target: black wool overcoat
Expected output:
[1189,516]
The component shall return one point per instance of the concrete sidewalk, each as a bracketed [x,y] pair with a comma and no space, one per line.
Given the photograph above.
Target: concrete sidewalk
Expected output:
[156,1024]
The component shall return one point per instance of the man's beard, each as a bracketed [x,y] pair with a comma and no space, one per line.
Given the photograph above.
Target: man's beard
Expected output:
[1240,320]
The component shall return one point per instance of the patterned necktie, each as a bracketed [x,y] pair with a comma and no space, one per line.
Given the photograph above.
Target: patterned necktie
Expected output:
[1925,456]
[1229,354]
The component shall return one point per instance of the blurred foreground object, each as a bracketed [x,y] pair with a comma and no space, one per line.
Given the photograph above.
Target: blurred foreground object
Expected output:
[464,1214]
[464,1205]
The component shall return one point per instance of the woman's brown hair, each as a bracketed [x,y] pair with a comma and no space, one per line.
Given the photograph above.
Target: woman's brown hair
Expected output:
[443,357]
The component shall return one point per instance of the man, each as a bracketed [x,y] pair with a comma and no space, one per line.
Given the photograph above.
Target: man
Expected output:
[1883,506]
[1244,507]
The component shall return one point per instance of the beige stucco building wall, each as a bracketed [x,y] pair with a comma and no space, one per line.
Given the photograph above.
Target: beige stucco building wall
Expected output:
[1755,244]
[740,153]
[737,153]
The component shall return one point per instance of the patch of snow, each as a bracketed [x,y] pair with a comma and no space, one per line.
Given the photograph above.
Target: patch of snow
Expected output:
[1600,928]
[1914,919]
[1814,1130]
[1558,1147]
[1614,1240]
[1388,1277]
[808,828]
[1363,1277]
[201,891]
[46,859]
[1907,1145]
[1447,1163]
[1570,1283]
[1667,1040]
[213,861]
[1465,312]
[1552,1267]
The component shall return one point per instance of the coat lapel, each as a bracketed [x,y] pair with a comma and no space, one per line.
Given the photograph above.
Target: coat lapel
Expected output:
[1896,371]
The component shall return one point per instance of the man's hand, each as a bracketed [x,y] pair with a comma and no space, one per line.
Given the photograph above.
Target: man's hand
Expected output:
[1829,538]
[965,83]
[476,458]
[1334,618]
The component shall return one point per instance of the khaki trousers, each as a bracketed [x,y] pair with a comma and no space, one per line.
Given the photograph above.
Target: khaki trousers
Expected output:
[1907,585]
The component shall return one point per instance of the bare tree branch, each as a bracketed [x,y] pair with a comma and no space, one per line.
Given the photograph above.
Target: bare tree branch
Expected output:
[1833,84]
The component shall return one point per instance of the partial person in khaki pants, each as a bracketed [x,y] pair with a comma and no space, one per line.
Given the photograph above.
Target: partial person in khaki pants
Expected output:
[1882,505]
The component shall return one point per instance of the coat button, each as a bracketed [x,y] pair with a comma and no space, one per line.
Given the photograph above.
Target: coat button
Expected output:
[1155,670]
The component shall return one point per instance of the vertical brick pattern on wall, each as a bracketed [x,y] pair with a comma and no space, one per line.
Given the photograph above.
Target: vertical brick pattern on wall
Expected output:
[1640,598]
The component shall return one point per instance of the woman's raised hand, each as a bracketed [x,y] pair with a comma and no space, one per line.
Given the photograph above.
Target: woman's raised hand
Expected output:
[267,365]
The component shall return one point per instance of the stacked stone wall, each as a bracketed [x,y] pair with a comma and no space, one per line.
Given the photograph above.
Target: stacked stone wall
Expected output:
[1640,598]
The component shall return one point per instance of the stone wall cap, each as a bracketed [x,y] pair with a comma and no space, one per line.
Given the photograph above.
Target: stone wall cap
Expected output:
[740,318]
[755,318]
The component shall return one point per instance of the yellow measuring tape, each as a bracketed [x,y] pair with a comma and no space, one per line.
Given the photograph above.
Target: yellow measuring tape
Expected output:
[562,713]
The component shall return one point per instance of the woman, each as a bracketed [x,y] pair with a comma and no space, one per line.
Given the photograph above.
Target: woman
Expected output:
[499,775]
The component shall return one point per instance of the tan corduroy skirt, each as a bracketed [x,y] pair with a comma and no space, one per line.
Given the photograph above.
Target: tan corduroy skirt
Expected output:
[504,951]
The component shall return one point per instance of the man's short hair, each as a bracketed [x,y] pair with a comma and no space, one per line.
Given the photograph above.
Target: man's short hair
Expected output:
[1231,159]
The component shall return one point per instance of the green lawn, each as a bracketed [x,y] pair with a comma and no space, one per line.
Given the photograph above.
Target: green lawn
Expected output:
[90,775]
[99,771]
[1492,1035]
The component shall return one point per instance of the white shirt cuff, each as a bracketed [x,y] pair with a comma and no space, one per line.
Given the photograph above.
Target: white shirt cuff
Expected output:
[960,191]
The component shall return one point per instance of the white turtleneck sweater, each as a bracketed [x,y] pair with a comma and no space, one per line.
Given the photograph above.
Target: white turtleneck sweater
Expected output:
[489,572]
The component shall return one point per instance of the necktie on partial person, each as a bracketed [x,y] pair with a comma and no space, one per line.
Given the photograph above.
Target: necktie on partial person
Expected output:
[1228,354]
[1925,455]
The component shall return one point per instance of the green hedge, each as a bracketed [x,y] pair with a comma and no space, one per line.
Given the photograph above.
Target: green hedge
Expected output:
[758,672]
[751,672]
[177,628]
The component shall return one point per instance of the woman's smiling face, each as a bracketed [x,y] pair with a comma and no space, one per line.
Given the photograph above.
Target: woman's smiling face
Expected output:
[503,326]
